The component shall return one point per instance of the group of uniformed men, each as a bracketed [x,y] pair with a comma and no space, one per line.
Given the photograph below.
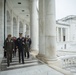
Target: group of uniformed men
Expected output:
[12,44]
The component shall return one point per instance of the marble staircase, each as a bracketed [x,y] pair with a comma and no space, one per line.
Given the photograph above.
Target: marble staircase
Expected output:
[32,61]
[32,66]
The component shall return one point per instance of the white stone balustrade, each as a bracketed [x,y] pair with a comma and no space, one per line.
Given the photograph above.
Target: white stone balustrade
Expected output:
[68,61]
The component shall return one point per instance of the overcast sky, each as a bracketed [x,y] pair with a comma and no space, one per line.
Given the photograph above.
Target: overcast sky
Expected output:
[65,8]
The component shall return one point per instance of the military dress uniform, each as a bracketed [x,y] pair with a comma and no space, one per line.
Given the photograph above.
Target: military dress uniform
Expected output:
[29,40]
[26,47]
[20,44]
[14,52]
[9,46]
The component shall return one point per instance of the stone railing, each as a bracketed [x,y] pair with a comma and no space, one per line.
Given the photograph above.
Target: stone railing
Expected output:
[68,61]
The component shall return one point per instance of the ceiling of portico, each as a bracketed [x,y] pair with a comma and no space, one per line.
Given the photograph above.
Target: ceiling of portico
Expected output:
[22,10]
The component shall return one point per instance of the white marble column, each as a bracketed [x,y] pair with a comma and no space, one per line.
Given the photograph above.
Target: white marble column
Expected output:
[1,29]
[61,34]
[66,34]
[6,23]
[24,29]
[11,23]
[34,24]
[47,29]
[21,27]
[17,26]
[27,30]
[57,34]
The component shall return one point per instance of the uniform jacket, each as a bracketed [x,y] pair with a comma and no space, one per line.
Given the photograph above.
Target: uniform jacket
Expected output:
[26,46]
[8,45]
[20,43]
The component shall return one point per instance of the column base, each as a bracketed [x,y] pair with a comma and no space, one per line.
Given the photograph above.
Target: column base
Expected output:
[54,61]
[34,52]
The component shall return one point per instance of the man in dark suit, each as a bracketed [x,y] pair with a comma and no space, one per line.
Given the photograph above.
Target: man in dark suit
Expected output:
[20,45]
[9,47]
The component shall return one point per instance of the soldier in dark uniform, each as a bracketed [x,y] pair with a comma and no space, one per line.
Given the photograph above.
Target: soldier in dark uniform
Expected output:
[20,44]
[29,40]
[9,47]
[26,47]
[14,51]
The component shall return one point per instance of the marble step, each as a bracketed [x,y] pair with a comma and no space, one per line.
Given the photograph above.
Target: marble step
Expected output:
[21,65]
[16,59]
[17,62]
[16,65]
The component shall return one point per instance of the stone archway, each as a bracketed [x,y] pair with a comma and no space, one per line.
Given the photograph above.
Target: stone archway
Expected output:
[8,23]
[14,27]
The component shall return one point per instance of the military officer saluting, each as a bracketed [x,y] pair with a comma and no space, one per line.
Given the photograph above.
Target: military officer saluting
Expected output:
[9,47]
[20,45]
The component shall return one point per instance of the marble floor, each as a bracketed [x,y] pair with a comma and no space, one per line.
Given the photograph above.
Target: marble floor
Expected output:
[72,69]
[33,70]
